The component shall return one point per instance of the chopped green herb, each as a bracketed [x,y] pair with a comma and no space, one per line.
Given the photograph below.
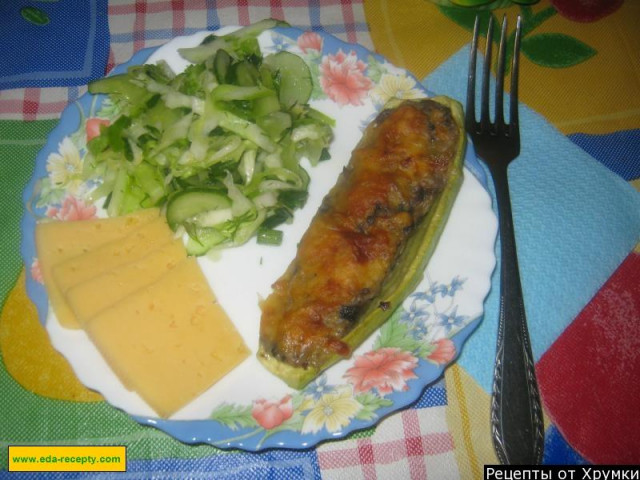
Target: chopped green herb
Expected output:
[227,133]
[269,237]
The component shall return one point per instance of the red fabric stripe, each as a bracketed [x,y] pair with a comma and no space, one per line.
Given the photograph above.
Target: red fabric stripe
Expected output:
[50,107]
[29,109]
[387,452]
[589,376]
[347,13]
[368,467]
[243,12]
[414,444]
[111,62]
[139,25]
[178,16]
[437,443]
[276,9]
[31,103]
[431,444]
[366,458]
[365,452]
[411,423]
[13,105]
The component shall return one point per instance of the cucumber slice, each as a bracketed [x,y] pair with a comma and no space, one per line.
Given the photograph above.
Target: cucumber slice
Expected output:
[188,203]
[119,85]
[202,239]
[229,93]
[221,63]
[293,78]
[274,124]
[266,105]
[244,73]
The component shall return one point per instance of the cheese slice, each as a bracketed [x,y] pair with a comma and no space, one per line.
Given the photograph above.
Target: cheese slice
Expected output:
[170,340]
[88,298]
[112,254]
[59,241]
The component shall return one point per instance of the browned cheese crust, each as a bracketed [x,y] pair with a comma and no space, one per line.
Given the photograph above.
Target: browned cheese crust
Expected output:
[395,173]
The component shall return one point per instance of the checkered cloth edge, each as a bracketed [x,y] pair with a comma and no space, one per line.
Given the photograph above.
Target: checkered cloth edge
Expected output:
[149,23]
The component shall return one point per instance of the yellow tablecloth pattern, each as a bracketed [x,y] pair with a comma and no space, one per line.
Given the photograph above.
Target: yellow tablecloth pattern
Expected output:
[599,95]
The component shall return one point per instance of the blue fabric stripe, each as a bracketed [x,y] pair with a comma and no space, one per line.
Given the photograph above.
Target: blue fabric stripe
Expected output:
[213,21]
[82,56]
[434,396]
[314,15]
[558,452]
[270,465]
[619,151]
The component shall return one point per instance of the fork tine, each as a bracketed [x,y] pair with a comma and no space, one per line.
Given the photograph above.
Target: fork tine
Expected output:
[513,104]
[499,102]
[485,121]
[470,118]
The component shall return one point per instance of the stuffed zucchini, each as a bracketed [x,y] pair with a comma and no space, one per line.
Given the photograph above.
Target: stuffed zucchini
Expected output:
[368,245]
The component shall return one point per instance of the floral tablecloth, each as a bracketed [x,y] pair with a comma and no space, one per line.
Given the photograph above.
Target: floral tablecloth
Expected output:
[576,230]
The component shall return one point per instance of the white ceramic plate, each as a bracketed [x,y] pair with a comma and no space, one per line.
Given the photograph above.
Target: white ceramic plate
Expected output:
[250,408]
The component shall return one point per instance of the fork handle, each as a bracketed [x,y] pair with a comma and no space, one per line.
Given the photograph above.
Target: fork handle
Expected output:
[516,413]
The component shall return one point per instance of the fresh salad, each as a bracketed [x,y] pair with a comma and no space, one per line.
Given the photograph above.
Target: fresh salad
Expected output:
[218,145]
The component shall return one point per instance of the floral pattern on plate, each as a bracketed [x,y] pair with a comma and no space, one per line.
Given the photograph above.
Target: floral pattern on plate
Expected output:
[386,373]
[410,336]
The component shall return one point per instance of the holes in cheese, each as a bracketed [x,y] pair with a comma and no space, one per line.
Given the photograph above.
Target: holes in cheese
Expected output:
[170,340]
[57,242]
[112,254]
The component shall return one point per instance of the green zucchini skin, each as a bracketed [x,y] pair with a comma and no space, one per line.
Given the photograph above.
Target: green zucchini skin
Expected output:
[405,275]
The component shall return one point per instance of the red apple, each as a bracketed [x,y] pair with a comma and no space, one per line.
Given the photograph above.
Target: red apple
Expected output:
[586,10]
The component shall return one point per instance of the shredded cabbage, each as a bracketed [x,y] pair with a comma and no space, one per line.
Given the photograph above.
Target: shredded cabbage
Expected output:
[222,124]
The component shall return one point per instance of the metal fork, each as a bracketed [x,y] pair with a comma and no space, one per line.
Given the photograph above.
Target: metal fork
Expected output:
[516,414]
